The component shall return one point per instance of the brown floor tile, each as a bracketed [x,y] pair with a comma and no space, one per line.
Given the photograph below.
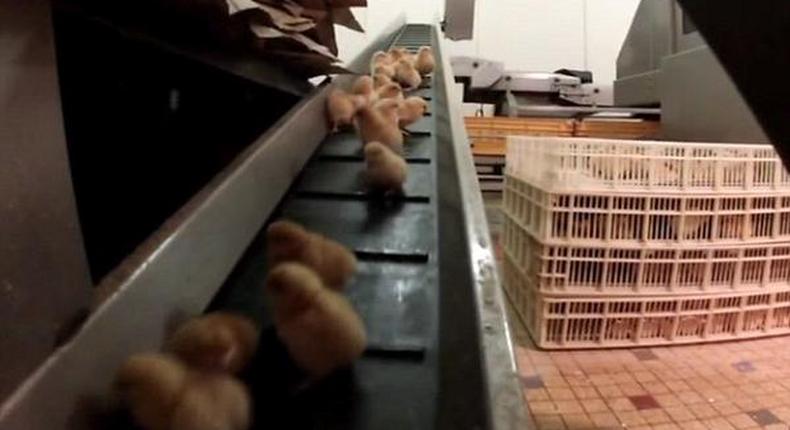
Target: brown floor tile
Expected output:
[680,413]
[677,386]
[543,407]
[630,418]
[549,422]
[569,407]
[620,404]
[632,389]
[693,425]
[610,391]
[585,392]
[667,400]
[605,420]
[718,424]
[655,416]
[703,411]
[655,387]
[690,397]
[536,395]
[561,393]
[577,421]
[725,408]
[666,426]
[594,405]
[741,421]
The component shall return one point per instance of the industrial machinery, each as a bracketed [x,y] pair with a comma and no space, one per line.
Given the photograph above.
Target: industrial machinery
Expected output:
[665,61]
[439,354]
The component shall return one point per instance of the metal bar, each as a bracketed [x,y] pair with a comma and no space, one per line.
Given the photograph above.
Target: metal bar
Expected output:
[505,398]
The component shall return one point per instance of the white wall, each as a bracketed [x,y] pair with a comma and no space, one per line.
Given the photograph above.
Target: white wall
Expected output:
[538,35]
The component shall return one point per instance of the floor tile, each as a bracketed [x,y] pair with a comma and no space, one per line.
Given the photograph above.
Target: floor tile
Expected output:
[680,413]
[644,402]
[594,405]
[532,381]
[744,366]
[655,416]
[644,354]
[604,420]
[764,417]
[741,421]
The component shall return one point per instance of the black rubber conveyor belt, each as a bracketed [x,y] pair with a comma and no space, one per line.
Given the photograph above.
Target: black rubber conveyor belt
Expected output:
[396,383]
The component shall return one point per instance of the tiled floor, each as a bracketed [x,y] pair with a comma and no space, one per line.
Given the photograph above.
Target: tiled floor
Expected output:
[737,385]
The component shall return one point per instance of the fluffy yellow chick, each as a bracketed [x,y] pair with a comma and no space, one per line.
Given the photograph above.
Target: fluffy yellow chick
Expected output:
[390,91]
[288,241]
[379,80]
[411,110]
[425,63]
[162,393]
[406,75]
[374,126]
[341,108]
[318,326]
[389,107]
[213,401]
[218,341]
[387,70]
[384,170]
[396,54]
[363,86]
[380,57]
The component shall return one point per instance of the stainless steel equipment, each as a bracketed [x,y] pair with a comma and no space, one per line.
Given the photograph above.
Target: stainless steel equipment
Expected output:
[517,93]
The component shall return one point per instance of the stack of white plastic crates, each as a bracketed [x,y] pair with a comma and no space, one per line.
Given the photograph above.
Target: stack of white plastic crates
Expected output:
[613,243]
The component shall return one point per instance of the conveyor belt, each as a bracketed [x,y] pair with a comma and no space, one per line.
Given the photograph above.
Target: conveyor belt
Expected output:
[396,289]
[439,353]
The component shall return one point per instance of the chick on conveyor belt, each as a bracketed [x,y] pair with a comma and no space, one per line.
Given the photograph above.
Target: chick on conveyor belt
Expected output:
[196,384]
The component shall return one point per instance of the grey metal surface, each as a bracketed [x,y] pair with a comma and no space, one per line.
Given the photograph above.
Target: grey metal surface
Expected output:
[650,38]
[44,282]
[518,107]
[637,90]
[459,19]
[174,274]
[699,101]
[503,388]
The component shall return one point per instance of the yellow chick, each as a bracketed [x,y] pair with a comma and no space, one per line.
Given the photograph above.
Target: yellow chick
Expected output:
[390,91]
[288,241]
[379,80]
[406,74]
[380,57]
[384,170]
[387,70]
[425,63]
[411,110]
[396,54]
[218,341]
[162,393]
[341,108]
[389,107]
[318,326]
[363,86]
[213,401]
[374,126]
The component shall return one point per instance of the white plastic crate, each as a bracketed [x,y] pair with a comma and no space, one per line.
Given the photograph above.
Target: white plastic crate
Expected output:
[636,219]
[573,164]
[608,322]
[583,269]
